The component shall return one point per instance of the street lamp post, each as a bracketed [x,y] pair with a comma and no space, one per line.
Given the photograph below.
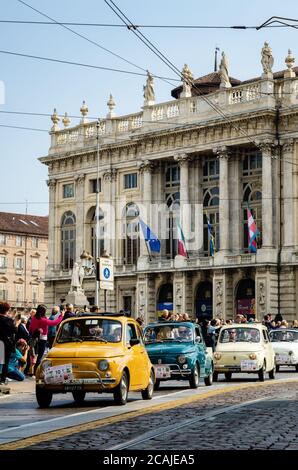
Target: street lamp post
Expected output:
[97,253]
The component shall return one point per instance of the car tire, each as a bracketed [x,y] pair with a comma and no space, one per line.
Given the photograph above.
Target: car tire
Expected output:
[121,391]
[194,380]
[209,380]
[261,373]
[272,373]
[147,394]
[157,384]
[277,368]
[78,397]
[228,376]
[215,376]
[43,397]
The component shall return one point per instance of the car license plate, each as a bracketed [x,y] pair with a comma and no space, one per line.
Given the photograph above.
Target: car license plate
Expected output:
[71,388]
[162,372]
[247,365]
[283,359]
[82,381]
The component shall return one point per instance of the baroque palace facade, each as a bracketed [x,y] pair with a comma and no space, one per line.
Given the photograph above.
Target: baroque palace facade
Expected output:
[219,146]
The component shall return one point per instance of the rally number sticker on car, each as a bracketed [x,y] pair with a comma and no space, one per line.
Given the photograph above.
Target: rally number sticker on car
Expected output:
[162,372]
[58,374]
[248,365]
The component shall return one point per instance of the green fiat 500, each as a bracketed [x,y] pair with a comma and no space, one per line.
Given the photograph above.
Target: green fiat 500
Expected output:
[178,352]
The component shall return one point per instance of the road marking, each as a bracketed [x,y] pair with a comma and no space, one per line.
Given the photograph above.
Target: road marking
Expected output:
[44,434]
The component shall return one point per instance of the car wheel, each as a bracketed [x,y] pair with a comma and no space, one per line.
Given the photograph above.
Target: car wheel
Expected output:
[277,368]
[147,394]
[43,397]
[228,376]
[215,376]
[209,380]
[78,396]
[261,373]
[195,377]
[157,384]
[121,391]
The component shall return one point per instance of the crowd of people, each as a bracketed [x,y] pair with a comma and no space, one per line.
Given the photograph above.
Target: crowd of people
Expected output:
[27,336]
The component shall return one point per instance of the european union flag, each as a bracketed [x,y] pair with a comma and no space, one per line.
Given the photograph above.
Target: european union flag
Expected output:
[153,241]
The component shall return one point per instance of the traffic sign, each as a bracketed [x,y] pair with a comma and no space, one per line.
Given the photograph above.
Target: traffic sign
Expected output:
[106,273]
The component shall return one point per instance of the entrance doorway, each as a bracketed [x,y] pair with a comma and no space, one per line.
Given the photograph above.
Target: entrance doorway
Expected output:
[204,301]
[245,298]
[165,298]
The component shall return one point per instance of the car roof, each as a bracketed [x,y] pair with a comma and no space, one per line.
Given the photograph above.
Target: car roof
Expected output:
[171,323]
[284,329]
[105,315]
[244,325]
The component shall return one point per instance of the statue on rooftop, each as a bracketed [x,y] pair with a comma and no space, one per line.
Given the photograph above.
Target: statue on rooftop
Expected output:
[223,72]
[149,95]
[267,58]
[187,79]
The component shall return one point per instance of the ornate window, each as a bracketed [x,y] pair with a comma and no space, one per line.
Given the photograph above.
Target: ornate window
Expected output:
[172,175]
[211,169]
[173,216]
[68,240]
[252,192]
[131,239]
[211,213]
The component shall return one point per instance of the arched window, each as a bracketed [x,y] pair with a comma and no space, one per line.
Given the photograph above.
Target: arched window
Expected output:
[91,220]
[173,216]
[211,213]
[68,240]
[131,239]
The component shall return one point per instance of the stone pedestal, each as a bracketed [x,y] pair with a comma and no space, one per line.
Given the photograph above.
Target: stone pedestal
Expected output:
[77,298]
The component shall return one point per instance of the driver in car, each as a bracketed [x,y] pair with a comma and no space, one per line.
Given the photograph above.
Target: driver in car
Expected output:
[184,333]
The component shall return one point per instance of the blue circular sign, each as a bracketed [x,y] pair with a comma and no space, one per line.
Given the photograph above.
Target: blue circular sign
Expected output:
[106,273]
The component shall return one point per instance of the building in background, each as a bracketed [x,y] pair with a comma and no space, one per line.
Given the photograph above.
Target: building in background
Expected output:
[221,145]
[23,258]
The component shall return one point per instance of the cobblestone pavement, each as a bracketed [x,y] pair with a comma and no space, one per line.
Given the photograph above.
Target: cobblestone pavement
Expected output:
[268,424]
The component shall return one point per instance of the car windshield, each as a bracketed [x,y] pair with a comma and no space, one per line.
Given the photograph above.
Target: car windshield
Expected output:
[239,335]
[86,329]
[163,333]
[288,336]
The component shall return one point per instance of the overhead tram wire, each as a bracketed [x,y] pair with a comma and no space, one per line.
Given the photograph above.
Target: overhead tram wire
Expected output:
[159,54]
[80,64]
[138,26]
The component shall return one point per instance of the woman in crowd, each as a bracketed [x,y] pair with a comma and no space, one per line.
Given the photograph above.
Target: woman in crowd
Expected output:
[39,329]
[8,329]
[18,361]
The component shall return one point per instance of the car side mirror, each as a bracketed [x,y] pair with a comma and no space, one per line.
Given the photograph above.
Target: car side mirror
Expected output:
[198,339]
[134,341]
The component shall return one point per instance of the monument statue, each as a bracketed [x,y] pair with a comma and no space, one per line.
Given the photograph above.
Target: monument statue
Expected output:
[149,94]
[267,58]
[187,79]
[223,72]
[75,277]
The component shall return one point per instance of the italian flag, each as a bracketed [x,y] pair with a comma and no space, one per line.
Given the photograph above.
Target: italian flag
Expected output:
[181,242]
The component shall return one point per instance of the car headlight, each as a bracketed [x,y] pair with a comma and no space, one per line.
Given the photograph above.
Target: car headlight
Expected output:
[103,365]
[253,356]
[217,355]
[45,364]
[181,359]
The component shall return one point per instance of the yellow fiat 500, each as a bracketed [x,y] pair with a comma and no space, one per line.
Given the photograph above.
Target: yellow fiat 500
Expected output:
[244,348]
[96,353]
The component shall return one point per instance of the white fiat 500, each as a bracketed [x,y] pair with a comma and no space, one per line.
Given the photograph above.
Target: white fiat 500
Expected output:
[244,348]
[285,345]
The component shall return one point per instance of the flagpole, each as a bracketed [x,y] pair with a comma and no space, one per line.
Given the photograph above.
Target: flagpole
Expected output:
[148,250]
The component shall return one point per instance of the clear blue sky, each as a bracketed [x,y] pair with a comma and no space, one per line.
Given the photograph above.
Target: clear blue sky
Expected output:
[35,86]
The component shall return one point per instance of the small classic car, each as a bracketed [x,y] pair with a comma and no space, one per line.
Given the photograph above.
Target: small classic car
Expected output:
[244,348]
[178,352]
[285,345]
[96,353]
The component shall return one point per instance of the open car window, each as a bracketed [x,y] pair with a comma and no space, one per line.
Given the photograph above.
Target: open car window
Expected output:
[284,336]
[166,333]
[240,335]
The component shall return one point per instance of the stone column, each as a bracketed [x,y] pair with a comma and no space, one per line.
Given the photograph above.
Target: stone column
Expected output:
[80,216]
[52,183]
[146,168]
[110,179]
[183,161]
[224,226]
[288,194]
[267,201]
